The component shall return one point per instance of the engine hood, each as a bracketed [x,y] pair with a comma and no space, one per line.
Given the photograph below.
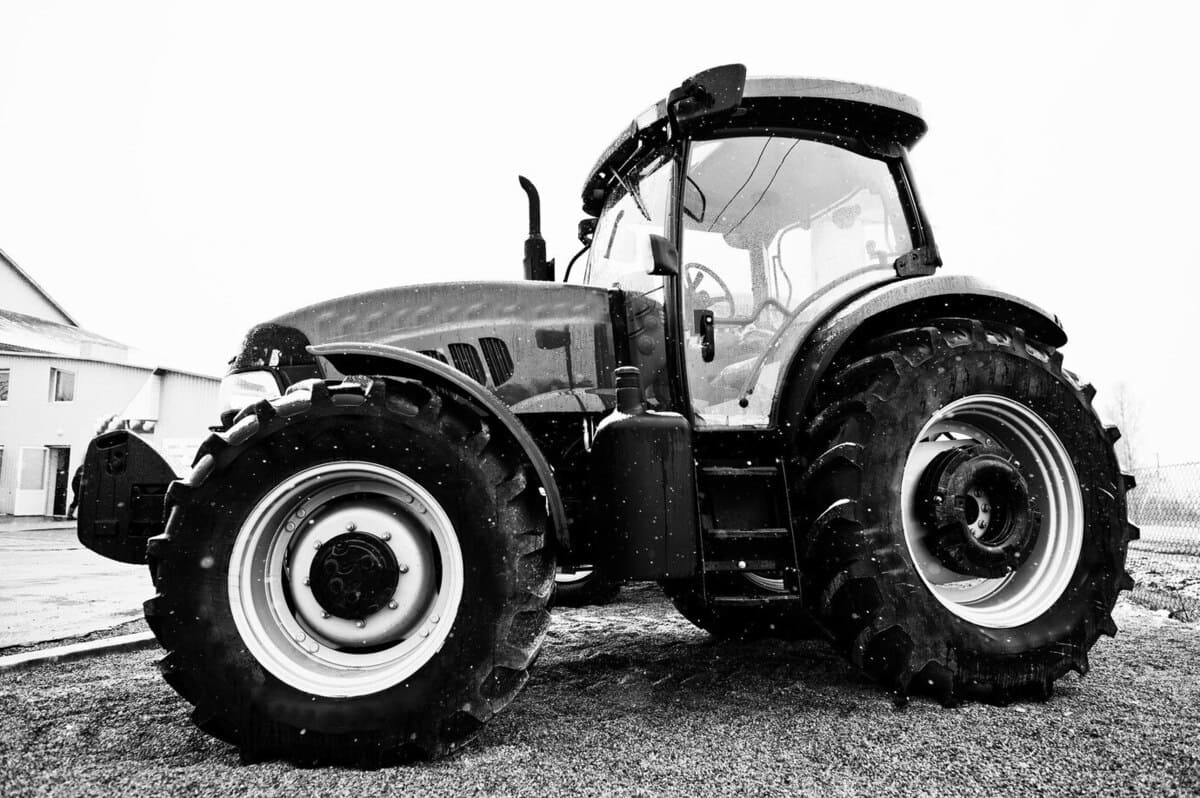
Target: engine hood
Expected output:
[520,339]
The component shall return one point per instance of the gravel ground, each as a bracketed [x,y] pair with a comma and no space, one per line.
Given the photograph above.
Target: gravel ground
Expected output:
[632,700]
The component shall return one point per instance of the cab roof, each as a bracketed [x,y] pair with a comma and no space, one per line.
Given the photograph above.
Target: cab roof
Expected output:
[851,109]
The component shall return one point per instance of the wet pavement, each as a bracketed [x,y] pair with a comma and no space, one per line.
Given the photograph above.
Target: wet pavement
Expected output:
[52,588]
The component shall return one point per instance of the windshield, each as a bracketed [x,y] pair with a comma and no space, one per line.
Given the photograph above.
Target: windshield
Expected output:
[768,222]
[638,207]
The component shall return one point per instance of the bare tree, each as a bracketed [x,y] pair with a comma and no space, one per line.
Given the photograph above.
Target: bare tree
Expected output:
[1125,410]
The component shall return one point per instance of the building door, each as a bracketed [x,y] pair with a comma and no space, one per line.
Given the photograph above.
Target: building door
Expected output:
[59,470]
[30,498]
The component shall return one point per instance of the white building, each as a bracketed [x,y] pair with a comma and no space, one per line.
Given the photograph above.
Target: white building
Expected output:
[59,381]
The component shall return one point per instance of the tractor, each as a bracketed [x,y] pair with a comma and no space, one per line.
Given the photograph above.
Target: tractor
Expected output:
[756,390]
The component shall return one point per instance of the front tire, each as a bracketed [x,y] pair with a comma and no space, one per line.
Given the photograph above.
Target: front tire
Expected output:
[965,511]
[352,573]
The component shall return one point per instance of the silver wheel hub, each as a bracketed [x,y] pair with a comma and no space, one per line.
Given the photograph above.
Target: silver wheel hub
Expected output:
[411,549]
[345,579]
[1008,548]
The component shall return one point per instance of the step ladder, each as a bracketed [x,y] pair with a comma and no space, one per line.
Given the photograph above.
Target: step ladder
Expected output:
[746,529]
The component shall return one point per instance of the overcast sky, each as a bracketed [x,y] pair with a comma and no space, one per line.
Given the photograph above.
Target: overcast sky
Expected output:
[174,173]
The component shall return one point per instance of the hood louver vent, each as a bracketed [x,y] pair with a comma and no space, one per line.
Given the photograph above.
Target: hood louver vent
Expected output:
[466,359]
[499,360]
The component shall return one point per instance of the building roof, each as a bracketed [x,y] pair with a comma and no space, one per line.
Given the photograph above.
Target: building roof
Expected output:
[5,260]
[28,336]
[20,333]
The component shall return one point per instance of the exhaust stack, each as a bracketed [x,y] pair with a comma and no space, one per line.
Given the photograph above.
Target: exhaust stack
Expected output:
[536,265]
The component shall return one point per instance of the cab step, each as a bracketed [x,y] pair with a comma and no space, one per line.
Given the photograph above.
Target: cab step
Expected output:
[754,602]
[714,566]
[769,533]
[739,471]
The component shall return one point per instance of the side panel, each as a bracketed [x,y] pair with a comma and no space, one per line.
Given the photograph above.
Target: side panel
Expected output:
[812,349]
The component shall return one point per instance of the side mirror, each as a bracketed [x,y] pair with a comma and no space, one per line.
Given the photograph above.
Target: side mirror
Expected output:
[587,229]
[705,95]
[665,257]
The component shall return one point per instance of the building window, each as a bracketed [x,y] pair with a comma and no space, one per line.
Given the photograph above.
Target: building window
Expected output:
[62,385]
[5,376]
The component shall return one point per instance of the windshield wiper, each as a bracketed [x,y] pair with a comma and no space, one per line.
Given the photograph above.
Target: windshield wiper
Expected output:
[632,190]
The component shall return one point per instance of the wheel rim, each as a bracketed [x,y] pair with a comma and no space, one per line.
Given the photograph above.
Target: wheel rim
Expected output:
[1032,587]
[385,549]
[578,575]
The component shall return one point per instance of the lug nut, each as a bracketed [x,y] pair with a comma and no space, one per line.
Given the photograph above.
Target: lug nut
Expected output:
[403,568]
[392,604]
[350,527]
[386,536]
[300,637]
[317,544]
[435,619]
[290,526]
[324,615]
[360,624]
[741,563]
[307,581]
[301,513]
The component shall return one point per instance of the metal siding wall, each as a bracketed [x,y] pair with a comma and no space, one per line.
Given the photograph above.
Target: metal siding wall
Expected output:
[188,407]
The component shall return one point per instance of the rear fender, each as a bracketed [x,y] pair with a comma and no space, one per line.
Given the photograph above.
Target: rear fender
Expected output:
[121,496]
[894,306]
[369,358]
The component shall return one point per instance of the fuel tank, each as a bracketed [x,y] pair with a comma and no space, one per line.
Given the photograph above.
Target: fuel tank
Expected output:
[643,495]
[540,347]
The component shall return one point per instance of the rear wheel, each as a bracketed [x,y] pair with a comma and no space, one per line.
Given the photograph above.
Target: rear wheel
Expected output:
[966,515]
[356,572]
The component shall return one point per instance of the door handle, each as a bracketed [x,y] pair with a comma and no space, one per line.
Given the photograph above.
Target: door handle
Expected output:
[704,327]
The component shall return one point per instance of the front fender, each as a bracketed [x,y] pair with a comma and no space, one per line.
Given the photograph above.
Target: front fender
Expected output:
[896,305]
[369,358]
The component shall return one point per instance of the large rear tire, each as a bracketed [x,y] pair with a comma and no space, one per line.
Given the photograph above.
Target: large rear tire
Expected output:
[352,573]
[965,511]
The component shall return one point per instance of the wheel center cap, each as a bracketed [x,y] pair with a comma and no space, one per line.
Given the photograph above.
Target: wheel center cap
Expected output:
[354,575]
[983,519]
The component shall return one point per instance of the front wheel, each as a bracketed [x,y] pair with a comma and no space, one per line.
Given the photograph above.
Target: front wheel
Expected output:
[356,572]
[966,514]
[584,586]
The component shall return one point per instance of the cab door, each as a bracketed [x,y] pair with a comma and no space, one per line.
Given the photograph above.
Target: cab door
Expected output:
[768,222]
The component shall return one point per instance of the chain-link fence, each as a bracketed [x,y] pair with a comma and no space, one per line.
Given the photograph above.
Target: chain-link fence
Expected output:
[1165,563]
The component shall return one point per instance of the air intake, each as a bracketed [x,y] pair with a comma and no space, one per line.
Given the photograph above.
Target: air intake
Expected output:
[466,359]
[499,361]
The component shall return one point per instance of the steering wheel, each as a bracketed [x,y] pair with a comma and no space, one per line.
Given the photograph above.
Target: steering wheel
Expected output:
[702,299]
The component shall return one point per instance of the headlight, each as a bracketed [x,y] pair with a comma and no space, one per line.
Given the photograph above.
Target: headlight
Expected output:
[246,388]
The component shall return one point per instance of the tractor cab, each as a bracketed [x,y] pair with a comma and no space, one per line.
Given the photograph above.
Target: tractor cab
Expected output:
[779,195]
